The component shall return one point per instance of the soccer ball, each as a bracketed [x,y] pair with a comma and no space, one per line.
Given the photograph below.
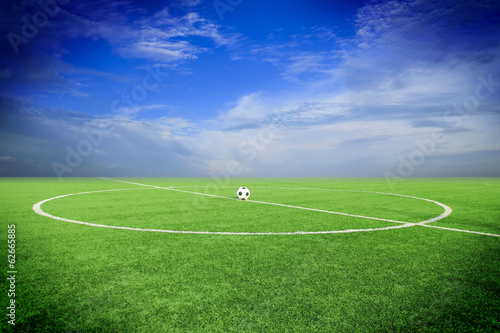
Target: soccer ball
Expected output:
[243,193]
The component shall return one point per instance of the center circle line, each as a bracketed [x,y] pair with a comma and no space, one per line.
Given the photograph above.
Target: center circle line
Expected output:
[37,209]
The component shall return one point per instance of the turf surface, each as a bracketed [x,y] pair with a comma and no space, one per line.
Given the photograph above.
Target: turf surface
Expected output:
[78,278]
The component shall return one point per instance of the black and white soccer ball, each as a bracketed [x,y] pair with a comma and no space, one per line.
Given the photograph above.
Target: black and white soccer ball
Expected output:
[243,193]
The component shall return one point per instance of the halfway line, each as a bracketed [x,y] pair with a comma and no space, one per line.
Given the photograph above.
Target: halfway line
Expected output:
[261,202]
[460,230]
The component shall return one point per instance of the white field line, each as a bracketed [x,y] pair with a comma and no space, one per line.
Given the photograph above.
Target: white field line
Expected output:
[328,211]
[261,202]
[37,208]
[460,230]
[170,188]
[447,209]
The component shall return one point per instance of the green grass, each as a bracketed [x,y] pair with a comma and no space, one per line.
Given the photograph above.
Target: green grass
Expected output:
[78,278]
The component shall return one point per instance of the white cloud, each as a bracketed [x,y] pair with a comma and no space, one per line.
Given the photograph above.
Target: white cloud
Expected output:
[399,45]
[176,125]
[161,38]
[7,159]
[248,111]
[301,57]
[185,3]
[131,112]
[356,111]
[307,65]
[34,140]
[395,36]
[167,38]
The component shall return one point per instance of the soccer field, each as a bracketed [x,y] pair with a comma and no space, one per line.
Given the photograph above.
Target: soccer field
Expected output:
[302,255]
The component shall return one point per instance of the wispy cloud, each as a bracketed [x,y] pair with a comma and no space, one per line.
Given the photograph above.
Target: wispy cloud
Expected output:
[401,39]
[7,158]
[300,57]
[344,106]
[165,38]
[185,3]
[34,138]
[398,45]
[161,38]
[365,102]
[308,66]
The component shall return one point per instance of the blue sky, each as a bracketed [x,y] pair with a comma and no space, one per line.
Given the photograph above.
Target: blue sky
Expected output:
[223,88]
